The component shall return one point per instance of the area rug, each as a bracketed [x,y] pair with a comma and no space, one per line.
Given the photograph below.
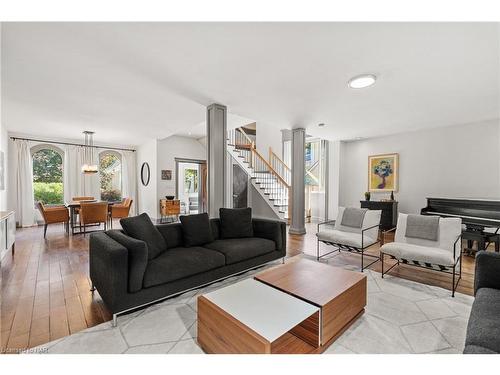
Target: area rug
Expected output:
[401,316]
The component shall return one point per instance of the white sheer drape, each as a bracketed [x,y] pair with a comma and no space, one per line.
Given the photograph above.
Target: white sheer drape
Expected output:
[25,201]
[129,178]
[75,182]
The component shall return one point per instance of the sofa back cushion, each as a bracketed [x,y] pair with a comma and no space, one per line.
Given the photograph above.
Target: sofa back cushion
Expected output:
[142,228]
[196,230]
[449,230]
[172,233]
[235,223]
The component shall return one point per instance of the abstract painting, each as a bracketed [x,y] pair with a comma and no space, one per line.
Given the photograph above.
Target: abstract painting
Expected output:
[383,172]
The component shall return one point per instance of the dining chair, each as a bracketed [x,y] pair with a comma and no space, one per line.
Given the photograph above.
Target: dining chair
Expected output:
[53,215]
[79,199]
[93,213]
[120,210]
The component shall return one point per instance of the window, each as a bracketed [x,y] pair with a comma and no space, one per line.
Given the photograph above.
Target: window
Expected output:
[48,175]
[110,171]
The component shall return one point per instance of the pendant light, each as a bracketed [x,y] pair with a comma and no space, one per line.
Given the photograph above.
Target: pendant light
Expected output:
[88,154]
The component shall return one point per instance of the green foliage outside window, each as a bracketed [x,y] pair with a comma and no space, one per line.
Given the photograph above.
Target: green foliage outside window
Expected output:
[110,175]
[47,177]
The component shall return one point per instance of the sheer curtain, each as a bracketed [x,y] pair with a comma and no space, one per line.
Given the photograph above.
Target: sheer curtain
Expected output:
[75,182]
[129,178]
[25,201]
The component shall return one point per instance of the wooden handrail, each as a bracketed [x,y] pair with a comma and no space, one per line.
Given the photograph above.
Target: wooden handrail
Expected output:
[270,167]
[245,134]
[272,154]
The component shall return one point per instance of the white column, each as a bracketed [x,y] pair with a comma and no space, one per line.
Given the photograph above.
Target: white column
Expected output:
[297,225]
[216,157]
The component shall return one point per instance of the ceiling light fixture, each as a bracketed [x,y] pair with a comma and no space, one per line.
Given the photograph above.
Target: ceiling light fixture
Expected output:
[88,154]
[362,81]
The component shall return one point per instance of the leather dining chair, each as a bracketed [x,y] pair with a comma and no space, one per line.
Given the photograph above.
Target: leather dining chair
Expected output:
[79,199]
[120,210]
[93,213]
[53,215]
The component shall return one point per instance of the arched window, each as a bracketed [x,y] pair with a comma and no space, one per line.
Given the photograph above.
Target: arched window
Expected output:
[48,174]
[110,171]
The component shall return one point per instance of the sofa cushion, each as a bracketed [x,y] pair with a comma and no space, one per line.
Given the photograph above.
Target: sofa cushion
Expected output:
[142,228]
[172,233]
[239,249]
[235,222]
[344,238]
[137,258]
[423,254]
[483,329]
[196,230]
[181,262]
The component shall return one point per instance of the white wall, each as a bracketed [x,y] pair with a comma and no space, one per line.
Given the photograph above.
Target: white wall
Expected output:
[4,145]
[146,195]
[456,161]
[176,147]
[268,136]
[333,178]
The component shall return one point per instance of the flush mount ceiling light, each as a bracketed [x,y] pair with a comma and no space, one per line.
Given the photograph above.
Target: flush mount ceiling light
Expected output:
[321,125]
[362,81]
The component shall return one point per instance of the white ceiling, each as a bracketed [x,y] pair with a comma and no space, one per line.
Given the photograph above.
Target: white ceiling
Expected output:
[130,82]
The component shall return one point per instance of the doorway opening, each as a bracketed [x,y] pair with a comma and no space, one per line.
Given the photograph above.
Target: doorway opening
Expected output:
[191,185]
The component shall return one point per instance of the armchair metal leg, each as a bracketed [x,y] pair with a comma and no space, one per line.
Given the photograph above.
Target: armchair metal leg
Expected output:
[382,260]
[317,250]
[45,230]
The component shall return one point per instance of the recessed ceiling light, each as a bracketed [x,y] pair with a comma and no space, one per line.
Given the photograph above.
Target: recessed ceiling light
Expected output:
[321,125]
[362,81]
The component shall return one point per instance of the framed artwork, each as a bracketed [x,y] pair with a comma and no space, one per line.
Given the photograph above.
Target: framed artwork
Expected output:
[383,172]
[166,174]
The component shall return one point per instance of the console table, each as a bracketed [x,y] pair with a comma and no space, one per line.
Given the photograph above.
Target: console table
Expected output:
[7,232]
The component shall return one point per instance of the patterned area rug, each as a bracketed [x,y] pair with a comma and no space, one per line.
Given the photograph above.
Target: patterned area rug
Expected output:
[401,316]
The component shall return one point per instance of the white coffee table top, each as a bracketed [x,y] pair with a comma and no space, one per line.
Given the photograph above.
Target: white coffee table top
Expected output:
[264,309]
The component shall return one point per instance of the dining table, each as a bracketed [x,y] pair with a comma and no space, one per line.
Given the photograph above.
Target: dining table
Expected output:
[73,207]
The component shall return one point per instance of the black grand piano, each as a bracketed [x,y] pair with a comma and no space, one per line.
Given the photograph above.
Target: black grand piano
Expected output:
[481,218]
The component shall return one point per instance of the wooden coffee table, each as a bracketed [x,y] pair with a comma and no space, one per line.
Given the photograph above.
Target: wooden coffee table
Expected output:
[340,294]
[298,307]
[252,317]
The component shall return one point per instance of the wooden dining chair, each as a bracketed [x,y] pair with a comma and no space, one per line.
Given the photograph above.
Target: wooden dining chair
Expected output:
[120,210]
[93,213]
[53,215]
[79,199]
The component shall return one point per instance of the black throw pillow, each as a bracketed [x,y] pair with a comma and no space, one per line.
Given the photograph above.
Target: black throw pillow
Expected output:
[196,230]
[236,222]
[142,228]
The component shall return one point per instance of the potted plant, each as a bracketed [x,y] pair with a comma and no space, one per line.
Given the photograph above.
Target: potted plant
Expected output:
[367,195]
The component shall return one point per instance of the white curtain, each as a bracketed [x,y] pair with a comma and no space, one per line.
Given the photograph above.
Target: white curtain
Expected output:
[75,182]
[25,201]
[129,178]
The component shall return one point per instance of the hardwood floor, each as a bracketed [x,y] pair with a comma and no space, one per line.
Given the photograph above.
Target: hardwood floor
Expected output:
[45,287]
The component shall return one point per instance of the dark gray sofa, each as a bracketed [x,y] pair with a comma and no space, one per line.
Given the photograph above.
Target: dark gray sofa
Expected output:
[483,330]
[126,279]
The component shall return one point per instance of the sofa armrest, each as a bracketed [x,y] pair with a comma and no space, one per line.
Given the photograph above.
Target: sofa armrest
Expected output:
[108,262]
[137,258]
[274,230]
[487,274]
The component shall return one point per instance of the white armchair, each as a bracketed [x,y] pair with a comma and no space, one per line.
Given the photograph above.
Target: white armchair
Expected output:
[444,254]
[350,238]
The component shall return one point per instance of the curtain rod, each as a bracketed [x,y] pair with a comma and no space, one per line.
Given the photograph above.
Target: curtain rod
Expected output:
[71,144]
